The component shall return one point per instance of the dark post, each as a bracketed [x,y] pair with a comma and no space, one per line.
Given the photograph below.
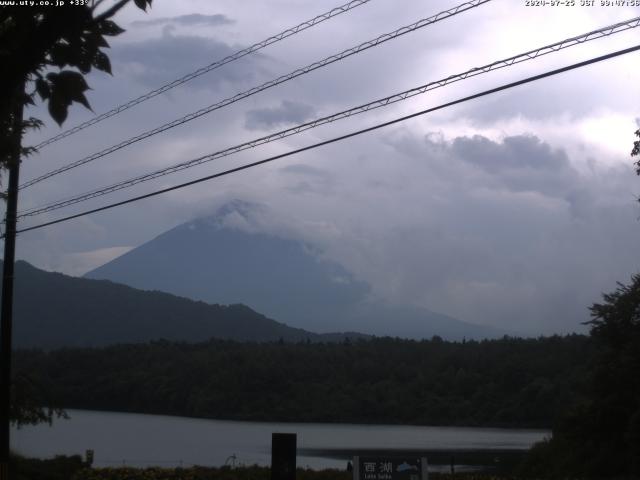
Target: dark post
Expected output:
[283,456]
[6,310]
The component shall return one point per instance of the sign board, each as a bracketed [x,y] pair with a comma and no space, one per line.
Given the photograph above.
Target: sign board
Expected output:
[390,468]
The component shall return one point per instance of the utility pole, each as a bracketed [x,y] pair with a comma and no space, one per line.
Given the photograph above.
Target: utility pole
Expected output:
[6,310]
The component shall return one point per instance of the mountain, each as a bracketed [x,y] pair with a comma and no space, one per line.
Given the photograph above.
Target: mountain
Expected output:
[209,260]
[53,310]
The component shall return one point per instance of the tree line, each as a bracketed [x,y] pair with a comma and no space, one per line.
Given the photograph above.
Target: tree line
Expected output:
[504,383]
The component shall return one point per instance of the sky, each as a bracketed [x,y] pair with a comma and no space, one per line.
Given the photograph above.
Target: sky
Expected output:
[516,210]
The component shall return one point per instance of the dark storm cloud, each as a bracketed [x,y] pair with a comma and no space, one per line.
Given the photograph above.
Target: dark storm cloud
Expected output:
[193,19]
[287,112]
[163,59]
[517,152]
[520,163]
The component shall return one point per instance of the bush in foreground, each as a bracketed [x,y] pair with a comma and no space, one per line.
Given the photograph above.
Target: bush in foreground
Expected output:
[58,468]
[246,473]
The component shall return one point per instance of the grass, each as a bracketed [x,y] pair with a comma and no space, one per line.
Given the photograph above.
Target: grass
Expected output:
[73,468]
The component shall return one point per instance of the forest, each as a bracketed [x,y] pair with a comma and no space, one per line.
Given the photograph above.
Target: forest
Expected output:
[586,388]
[502,383]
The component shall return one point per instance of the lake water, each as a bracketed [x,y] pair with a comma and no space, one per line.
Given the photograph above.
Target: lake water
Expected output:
[146,440]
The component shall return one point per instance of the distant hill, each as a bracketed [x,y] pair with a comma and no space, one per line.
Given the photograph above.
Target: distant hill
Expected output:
[54,310]
[208,260]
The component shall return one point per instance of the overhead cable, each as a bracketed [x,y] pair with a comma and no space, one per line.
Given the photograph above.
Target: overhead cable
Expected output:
[337,139]
[383,102]
[272,83]
[334,12]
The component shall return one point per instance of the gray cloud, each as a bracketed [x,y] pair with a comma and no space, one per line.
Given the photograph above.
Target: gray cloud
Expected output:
[287,112]
[308,179]
[514,233]
[520,163]
[514,153]
[508,233]
[190,20]
[572,97]
[163,59]
[302,169]
[523,228]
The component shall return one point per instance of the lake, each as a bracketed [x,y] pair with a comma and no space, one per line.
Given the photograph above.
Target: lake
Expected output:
[154,440]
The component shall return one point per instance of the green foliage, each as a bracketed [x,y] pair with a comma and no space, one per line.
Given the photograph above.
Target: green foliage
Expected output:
[202,473]
[62,89]
[58,468]
[614,412]
[244,473]
[72,468]
[27,400]
[507,382]
[37,39]
[636,151]
[600,437]
[191,473]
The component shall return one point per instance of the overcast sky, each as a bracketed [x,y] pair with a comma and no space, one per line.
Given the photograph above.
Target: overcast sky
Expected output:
[516,210]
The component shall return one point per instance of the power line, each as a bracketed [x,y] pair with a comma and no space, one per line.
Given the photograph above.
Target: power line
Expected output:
[272,83]
[383,102]
[212,66]
[339,138]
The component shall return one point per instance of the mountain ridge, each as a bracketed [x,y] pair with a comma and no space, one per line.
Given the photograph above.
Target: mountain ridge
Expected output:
[206,259]
[54,310]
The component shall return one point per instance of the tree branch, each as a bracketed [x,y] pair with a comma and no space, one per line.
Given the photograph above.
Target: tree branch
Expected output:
[96,4]
[112,11]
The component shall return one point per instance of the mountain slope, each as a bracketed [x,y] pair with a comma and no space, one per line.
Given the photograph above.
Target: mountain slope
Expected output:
[207,260]
[54,310]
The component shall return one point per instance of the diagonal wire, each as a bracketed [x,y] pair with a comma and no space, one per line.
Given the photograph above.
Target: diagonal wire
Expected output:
[212,66]
[272,83]
[339,138]
[383,102]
